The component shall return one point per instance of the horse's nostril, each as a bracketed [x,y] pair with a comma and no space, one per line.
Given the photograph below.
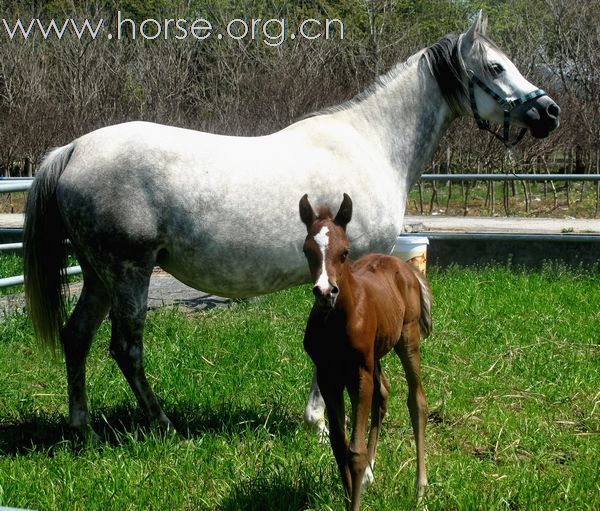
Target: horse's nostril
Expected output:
[316,291]
[553,110]
[335,290]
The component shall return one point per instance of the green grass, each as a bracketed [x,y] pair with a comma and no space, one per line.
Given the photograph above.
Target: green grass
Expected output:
[10,266]
[512,374]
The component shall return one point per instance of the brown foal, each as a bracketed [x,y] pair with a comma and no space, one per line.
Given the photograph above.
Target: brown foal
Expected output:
[361,312]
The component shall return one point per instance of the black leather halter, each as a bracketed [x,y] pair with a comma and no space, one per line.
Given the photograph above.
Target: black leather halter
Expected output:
[507,106]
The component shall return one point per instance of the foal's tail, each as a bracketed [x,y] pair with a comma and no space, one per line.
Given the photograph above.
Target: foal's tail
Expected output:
[44,249]
[426,300]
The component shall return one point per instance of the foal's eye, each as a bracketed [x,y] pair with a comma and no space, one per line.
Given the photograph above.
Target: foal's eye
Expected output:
[496,69]
[344,255]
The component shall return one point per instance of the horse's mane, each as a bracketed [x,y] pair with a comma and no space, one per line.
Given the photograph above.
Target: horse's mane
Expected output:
[447,66]
[445,63]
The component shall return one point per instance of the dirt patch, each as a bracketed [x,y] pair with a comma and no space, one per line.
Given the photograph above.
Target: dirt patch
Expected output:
[164,290]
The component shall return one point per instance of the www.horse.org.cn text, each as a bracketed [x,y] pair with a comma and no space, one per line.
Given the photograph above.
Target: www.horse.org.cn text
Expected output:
[271,31]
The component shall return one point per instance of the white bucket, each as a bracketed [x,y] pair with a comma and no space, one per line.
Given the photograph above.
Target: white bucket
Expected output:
[412,249]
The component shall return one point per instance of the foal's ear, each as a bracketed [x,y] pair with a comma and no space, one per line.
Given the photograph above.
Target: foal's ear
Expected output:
[307,213]
[344,215]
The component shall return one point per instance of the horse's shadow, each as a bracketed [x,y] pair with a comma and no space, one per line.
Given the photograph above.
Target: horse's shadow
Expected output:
[125,423]
[116,425]
[264,495]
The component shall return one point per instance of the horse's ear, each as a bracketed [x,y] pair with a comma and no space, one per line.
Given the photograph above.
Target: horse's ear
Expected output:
[479,26]
[307,213]
[344,215]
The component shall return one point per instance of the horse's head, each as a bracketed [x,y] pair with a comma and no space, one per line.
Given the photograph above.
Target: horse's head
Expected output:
[481,81]
[326,248]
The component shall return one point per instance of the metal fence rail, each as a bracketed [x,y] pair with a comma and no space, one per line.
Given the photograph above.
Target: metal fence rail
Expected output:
[15,184]
[19,279]
[510,177]
[9,185]
[20,184]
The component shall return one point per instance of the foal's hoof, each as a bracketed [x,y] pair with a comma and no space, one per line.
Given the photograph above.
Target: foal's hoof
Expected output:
[368,479]
[317,424]
[321,429]
[420,494]
[323,434]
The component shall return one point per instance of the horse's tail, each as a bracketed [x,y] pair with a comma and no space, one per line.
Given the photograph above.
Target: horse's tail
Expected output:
[44,250]
[426,301]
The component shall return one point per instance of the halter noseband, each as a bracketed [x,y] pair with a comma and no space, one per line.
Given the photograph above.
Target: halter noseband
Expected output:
[507,106]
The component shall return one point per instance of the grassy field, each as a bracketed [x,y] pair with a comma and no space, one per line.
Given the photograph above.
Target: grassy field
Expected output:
[512,374]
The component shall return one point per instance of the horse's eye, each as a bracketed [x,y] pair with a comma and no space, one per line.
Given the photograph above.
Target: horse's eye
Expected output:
[344,255]
[496,69]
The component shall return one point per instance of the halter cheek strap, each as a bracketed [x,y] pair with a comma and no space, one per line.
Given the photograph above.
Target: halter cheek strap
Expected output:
[507,106]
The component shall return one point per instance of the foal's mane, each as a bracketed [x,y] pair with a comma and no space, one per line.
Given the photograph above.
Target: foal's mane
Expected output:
[445,62]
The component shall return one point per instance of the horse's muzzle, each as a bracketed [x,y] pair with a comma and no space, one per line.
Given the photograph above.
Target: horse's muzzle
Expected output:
[325,299]
[541,116]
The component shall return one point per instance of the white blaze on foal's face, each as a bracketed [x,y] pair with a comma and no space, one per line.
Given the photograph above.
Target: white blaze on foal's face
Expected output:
[322,240]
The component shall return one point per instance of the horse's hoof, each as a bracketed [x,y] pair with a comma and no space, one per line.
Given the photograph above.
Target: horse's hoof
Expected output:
[85,436]
[368,479]
[165,428]
[420,494]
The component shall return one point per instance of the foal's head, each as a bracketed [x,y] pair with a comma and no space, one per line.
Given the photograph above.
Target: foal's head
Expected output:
[326,248]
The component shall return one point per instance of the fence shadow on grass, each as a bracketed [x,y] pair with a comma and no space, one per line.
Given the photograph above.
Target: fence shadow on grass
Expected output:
[41,432]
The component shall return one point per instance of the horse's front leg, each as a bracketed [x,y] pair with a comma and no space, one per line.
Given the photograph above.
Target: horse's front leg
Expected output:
[379,408]
[314,413]
[361,396]
[332,387]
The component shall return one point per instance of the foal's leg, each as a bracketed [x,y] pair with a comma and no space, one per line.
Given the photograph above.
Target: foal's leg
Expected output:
[408,350]
[378,411]
[314,413]
[76,338]
[332,389]
[361,396]
[128,315]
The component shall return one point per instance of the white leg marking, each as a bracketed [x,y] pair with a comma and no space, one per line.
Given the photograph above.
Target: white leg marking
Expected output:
[368,478]
[314,413]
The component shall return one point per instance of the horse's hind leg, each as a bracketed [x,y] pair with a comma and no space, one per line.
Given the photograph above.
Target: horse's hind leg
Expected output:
[128,315]
[378,410]
[76,338]
[409,353]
